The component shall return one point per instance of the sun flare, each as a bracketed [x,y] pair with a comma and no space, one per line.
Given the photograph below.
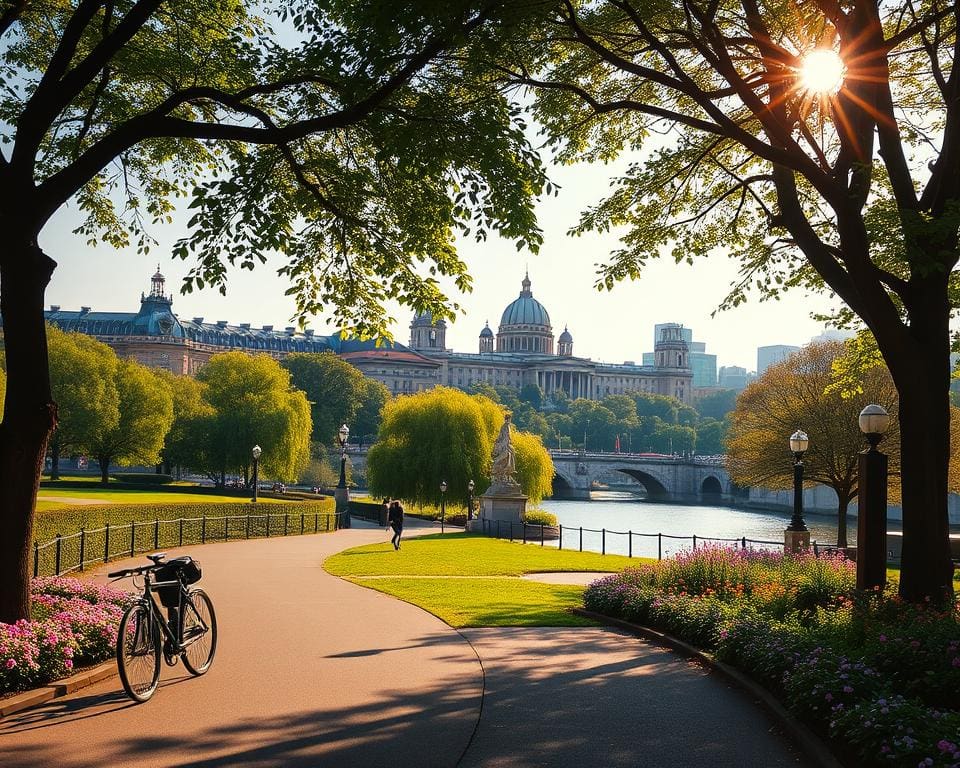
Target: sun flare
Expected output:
[822,71]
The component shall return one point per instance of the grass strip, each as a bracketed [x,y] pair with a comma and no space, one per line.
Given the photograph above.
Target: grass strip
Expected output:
[466,554]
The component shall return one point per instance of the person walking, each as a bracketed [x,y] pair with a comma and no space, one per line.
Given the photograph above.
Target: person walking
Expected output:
[396,522]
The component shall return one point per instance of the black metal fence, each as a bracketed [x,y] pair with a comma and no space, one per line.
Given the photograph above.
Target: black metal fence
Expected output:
[76,551]
[606,541]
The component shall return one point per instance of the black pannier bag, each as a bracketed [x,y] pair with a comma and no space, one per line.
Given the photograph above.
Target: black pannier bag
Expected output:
[182,569]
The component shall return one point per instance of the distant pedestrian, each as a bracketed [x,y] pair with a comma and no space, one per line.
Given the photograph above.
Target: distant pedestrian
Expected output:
[396,522]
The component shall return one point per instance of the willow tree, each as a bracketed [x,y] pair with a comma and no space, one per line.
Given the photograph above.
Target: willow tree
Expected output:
[351,143]
[799,393]
[818,142]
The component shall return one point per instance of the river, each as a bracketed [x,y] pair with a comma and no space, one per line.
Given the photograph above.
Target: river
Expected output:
[621,512]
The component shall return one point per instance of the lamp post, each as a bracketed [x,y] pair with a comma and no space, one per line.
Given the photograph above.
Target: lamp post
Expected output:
[255,452]
[470,486]
[797,536]
[872,501]
[443,503]
[341,493]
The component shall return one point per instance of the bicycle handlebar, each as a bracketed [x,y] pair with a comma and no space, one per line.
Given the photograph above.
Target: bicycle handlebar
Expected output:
[131,571]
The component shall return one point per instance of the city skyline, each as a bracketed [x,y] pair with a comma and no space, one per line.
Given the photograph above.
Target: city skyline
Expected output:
[562,277]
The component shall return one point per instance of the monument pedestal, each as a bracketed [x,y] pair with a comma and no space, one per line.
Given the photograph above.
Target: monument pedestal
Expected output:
[796,541]
[503,503]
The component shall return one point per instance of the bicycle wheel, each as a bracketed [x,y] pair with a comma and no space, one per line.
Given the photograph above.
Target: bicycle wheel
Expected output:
[138,652]
[199,632]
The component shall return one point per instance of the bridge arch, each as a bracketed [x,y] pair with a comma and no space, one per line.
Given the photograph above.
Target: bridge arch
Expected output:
[711,489]
[655,489]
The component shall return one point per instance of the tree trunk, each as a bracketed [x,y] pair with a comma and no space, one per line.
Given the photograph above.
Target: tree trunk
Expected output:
[843,501]
[104,462]
[55,457]
[29,413]
[922,377]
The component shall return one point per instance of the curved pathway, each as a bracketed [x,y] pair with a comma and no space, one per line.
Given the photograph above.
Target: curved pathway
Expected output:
[315,671]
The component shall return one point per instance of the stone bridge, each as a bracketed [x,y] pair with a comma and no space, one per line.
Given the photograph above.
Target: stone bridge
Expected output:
[665,478]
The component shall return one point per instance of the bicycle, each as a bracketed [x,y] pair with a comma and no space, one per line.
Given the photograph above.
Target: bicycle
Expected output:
[189,630]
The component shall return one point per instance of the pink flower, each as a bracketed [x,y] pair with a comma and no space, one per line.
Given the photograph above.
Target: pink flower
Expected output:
[882,638]
[68,663]
[11,663]
[847,689]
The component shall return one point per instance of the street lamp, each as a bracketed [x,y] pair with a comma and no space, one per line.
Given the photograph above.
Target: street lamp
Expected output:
[255,452]
[799,442]
[443,503]
[341,493]
[872,501]
[470,486]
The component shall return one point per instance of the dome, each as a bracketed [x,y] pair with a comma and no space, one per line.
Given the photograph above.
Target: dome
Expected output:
[425,320]
[525,310]
[565,337]
[486,332]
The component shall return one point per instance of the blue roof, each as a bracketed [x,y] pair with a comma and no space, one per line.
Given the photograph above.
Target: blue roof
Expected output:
[525,310]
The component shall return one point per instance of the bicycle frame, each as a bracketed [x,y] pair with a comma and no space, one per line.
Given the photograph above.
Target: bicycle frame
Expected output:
[149,600]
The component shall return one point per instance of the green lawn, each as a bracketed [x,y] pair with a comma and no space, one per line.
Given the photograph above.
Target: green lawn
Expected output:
[471,598]
[120,495]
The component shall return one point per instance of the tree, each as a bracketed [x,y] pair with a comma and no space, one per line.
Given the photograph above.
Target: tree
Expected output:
[661,406]
[796,394]
[334,388]
[254,403]
[711,437]
[445,434]
[353,143]
[717,404]
[83,379]
[366,422]
[146,414]
[186,443]
[851,185]
[532,394]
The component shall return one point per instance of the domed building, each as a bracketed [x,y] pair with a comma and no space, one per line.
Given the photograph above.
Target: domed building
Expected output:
[525,325]
[521,352]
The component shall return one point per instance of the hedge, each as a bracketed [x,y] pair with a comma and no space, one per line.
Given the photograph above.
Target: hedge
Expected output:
[168,525]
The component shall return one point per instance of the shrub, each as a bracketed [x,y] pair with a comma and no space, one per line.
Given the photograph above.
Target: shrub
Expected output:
[539,517]
[75,622]
[144,478]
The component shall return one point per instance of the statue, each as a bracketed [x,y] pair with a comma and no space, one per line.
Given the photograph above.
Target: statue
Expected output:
[504,459]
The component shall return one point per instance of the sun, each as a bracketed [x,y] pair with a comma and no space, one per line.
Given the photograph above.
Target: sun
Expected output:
[822,71]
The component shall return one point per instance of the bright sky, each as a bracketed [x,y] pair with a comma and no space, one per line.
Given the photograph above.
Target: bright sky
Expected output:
[612,327]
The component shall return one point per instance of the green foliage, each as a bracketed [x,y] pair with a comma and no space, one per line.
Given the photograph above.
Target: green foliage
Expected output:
[146,414]
[534,465]
[186,442]
[254,404]
[83,380]
[145,478]
[539,517]
[717,404]
[366,421]
[711,437]
[335,389]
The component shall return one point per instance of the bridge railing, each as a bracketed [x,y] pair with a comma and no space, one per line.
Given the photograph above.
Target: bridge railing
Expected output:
[611,542]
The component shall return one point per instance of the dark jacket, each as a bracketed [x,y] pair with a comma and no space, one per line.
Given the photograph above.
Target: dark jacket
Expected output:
[395,516]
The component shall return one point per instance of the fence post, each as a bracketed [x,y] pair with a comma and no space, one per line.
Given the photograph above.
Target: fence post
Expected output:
[511,530]
[316,522]
[247,530]
[560,540]
[541,534]
[285,521]
[133,538]
[326,523]
[181,531]
[694,541]
[203,529]
[603,541]
[83,545]
[268,525]
[106,542]
[659,546]
[743,541]
[36,559]
[156,533]
[816,551]
[629,543]
[301,523]
[226,527]
[56,570]
[524,532]
[581,538]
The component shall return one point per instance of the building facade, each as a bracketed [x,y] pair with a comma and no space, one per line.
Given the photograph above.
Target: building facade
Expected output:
[772,354]
[523,350]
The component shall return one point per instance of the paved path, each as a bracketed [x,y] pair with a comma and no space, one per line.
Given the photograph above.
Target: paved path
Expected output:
[314,671]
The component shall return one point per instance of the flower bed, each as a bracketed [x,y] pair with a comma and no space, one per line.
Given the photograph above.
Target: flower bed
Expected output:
[880,678]
[74,624]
